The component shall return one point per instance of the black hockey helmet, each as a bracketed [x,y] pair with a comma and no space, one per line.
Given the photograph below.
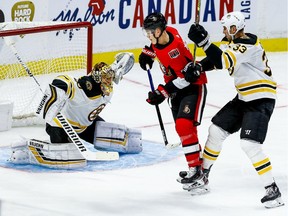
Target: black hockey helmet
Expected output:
[155,20]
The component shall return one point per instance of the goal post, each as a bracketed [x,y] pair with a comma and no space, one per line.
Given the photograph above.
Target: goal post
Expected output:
[48,49]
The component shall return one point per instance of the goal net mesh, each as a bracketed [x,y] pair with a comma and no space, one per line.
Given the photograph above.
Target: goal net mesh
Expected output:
[46,52]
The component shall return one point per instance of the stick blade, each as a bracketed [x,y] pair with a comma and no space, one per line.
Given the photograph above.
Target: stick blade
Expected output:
[172,145]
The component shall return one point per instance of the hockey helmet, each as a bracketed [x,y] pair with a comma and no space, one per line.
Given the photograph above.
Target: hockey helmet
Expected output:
[155,20]
[102,73]
[235,18]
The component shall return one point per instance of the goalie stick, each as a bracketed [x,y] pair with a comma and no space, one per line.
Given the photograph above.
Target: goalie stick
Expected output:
[87,154]
[168,145]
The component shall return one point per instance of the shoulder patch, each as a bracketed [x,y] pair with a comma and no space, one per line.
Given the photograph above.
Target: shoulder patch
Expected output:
[88,85]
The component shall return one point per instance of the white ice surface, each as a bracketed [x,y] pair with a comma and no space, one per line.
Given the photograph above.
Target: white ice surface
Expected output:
[236,189]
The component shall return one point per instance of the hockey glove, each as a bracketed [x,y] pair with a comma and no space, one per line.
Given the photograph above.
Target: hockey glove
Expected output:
[199,35]
[192,72]
[157,96]
[146,57]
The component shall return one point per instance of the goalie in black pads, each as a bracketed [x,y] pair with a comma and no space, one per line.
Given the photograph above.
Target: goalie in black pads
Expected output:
[80,101]
[250,111]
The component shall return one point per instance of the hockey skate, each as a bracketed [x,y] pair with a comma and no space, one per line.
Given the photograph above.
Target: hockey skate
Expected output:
[195,181]
[272,197]
[199,186]
[190,176]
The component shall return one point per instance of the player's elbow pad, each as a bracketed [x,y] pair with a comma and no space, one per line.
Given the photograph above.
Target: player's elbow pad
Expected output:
[214,54]
[207,64]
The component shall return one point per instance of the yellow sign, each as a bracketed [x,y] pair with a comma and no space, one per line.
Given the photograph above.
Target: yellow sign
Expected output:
[23,11]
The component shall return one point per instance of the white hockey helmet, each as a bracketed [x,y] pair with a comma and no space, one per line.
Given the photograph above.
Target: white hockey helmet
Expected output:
[235,18]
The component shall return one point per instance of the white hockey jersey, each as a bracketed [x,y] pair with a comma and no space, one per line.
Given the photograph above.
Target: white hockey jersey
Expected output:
[82,108]
[246,61]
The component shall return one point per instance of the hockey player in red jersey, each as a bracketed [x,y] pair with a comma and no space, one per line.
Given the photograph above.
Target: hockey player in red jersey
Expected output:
[187,98]
[250,111]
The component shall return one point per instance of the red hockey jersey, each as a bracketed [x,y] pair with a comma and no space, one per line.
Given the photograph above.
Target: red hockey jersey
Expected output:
[174,56]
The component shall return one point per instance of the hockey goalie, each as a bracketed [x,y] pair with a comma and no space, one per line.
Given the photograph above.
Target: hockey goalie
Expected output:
[80,101]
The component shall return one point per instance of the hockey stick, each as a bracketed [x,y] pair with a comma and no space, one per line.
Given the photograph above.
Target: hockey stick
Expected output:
[197,20]
[87,154]
[168,145]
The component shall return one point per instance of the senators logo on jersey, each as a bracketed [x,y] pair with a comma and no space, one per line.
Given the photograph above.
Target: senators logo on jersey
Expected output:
[165,71]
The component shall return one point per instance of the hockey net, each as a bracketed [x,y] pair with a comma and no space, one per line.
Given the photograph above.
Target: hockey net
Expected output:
[47,49]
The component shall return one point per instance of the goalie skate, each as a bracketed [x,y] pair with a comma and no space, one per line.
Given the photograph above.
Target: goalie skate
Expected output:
[272,197]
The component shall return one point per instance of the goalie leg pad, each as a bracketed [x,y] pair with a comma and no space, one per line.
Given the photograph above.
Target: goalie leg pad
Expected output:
[63,156]
[134,141]
[117,137]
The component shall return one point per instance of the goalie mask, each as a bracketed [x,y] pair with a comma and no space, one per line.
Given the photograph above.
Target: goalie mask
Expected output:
[103,74]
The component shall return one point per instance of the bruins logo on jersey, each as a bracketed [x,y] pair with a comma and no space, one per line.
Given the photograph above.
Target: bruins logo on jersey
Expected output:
[93,115]
[88,85]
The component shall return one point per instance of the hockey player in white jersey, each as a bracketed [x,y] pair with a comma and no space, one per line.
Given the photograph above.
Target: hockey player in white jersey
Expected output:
[244,57]
[81,101]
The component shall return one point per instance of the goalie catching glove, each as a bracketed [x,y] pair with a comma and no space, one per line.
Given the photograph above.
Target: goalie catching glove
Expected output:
[122,65]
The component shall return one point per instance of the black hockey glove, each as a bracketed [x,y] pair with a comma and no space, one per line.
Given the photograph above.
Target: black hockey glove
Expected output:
[192,72]
[158,96]
[198,35]
[146,57]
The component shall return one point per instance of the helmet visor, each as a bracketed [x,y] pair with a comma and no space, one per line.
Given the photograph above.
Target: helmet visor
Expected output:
[148,32]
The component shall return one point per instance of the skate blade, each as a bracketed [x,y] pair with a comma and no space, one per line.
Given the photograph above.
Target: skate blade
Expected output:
[192,186]
[172,145]
[200,191]
[274,203]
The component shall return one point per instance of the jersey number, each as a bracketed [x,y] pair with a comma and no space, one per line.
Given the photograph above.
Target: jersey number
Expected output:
[267,71]
[240,47]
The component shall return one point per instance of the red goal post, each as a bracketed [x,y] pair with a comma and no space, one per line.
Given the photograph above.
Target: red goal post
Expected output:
[48,49]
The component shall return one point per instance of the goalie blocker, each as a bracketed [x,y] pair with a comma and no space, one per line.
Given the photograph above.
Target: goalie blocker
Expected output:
[108,137]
